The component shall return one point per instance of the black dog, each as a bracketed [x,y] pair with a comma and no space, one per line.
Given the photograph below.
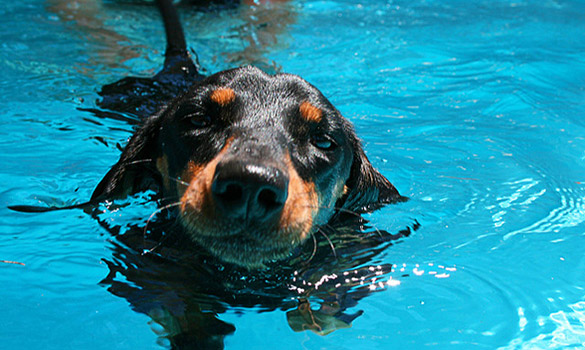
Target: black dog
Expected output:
[253,163]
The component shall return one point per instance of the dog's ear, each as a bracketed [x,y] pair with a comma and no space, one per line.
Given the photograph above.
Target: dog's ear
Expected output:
[135,171]
[366,188]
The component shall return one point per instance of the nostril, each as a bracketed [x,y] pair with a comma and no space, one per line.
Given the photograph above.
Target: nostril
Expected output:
[231,193]
[269,199]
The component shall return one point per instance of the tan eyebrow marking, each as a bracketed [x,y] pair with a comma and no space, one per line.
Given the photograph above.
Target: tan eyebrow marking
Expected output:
[223,96]
[310,112]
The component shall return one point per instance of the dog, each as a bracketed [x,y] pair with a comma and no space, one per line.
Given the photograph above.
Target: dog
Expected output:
[252,164]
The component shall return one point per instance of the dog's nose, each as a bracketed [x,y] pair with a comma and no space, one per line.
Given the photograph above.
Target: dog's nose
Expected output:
[249,192]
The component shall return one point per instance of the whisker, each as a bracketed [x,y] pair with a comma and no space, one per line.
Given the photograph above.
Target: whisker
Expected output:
[148,222]
[177,180]
[348,211]
[314,249]
[340,234]
[330,243]
[138,161]
[168,198]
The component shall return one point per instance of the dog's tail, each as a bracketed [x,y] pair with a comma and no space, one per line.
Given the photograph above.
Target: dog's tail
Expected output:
[177,58]
[176,44]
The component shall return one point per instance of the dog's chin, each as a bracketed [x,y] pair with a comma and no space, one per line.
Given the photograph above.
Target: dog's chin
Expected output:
[241,250]
[248,249]
[249,246]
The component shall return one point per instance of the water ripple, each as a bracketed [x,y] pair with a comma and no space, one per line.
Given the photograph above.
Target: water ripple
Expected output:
[568,332]
[570,213]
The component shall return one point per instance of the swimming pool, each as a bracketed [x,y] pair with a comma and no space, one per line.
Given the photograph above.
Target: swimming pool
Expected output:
[474,110]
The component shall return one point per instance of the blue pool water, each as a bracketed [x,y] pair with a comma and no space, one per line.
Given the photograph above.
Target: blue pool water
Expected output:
[473,109]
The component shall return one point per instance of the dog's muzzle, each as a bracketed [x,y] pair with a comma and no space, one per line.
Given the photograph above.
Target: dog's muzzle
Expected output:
[248,191]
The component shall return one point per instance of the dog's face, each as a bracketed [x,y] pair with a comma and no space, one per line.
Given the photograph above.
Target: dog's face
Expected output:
[254,163]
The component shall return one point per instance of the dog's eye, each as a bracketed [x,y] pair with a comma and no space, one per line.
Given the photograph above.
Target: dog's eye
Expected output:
[200,121]
[194,115]
[323,142]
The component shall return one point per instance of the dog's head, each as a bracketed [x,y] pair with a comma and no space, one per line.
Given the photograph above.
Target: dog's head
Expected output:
[254,163]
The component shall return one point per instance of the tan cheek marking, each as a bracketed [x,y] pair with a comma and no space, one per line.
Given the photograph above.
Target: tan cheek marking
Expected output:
[197,197]
[162,165]
[301,206]
[311,113]
[192,172]
[223,96]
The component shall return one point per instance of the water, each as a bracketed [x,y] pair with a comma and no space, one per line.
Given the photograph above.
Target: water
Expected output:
[472,109]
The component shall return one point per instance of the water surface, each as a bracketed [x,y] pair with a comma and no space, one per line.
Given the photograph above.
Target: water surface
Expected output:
[474,110]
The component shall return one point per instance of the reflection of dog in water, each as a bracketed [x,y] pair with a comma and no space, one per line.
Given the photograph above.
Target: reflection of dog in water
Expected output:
[248,167]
